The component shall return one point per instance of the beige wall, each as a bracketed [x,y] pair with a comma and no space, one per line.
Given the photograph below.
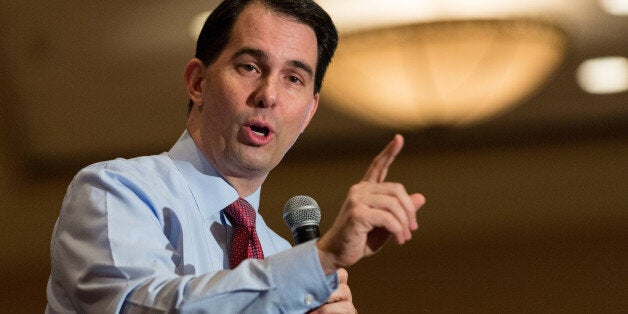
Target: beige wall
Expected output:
[515,228]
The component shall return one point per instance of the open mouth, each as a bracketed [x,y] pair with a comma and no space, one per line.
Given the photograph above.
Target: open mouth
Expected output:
[260,130]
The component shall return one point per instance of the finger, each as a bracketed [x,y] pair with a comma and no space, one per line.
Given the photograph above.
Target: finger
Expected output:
[393,197]
[418,200]
[337,307]
[411,207]
[343,276]
[410,204]
[342,293]
[386,220]
[391,202]
[407,206]
[379,167]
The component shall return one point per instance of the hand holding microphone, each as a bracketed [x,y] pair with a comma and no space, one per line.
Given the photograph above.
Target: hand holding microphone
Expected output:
[303,215]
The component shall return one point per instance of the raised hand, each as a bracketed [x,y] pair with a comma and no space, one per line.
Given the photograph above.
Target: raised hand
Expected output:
[373,211]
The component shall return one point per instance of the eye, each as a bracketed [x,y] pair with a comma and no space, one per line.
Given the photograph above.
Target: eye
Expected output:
[294,79]
[248,68]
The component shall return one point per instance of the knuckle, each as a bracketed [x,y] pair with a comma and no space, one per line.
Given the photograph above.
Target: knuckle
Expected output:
[393,224]
[378,159]
[354,189]
[353,199]
[356,212]
[398,187]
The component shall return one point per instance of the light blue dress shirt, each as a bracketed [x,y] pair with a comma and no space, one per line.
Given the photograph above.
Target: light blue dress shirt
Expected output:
[149,234]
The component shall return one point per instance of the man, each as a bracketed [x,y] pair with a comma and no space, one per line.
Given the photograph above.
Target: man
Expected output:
[160,233]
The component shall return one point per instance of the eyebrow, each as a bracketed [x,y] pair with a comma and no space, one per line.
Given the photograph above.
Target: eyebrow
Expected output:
[303,66]
[259,54]
[250,51]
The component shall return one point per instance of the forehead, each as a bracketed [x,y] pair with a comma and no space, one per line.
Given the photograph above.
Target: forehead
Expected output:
[279,35]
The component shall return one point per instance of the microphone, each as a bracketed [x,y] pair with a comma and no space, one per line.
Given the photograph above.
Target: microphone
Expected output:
[302,215]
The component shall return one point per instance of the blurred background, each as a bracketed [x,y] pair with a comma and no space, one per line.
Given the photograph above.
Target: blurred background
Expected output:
[515,115]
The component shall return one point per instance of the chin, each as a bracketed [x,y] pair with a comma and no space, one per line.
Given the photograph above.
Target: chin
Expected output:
[255,166]
[257,161]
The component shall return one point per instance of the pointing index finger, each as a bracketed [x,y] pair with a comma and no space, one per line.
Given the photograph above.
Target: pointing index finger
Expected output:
[379,167]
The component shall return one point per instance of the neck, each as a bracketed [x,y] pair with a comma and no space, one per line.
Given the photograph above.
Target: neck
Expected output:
[245,186]
[245,183]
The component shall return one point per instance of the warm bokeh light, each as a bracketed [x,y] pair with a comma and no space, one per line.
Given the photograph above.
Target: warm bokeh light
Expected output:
[352,15]
[615,7]
[605,75]
[444,73]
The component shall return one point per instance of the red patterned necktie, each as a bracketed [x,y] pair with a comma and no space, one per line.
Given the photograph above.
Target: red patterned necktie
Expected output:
[245,243]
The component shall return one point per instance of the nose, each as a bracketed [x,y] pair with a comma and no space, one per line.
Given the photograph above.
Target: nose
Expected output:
[266,93]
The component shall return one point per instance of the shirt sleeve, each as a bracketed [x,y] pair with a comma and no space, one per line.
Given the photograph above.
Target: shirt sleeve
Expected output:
[109,254]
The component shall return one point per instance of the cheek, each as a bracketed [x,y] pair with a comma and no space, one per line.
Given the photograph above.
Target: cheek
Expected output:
[222,101]
[307,111]
[298,119]
[304,119]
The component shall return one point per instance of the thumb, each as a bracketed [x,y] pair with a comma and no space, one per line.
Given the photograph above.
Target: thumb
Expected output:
[417,199]
[343,276]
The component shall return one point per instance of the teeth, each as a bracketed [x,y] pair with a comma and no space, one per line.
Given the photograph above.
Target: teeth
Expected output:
[261,131]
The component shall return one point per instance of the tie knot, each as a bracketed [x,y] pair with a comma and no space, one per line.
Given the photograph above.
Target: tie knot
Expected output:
[241,213]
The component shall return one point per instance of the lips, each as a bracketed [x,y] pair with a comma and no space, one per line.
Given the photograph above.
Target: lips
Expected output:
[260,130]
[257,133]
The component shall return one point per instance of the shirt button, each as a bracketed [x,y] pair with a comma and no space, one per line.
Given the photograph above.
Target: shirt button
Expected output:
[309,299]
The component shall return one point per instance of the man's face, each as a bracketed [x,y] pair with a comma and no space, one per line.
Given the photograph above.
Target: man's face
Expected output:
[258,95]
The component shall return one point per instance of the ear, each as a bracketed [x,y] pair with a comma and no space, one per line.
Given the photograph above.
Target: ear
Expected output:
[194,75]
[311,113]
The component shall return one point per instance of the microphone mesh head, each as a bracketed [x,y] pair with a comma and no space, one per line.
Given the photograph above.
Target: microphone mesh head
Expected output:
[300,211]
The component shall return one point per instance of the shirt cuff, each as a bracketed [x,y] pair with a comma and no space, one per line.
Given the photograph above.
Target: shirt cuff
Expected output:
[299,279]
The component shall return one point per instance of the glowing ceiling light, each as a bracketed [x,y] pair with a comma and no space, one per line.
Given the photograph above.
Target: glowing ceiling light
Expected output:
[357,15]
[604,75]
[615,7]
[441,73]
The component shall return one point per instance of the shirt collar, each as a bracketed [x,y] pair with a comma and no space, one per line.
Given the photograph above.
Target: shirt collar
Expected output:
[210,190]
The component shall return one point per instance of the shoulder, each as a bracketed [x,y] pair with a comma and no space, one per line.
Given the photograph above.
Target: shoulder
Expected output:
[146,168]
[122,188]
[144,164]
[147,175]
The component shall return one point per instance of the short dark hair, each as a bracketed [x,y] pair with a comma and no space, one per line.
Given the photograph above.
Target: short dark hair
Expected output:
[216,31]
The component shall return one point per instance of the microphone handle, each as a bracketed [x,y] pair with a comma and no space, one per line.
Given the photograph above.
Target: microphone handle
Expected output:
[305,233]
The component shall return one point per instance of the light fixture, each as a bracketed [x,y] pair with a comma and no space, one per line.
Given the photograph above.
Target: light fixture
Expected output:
[615,7]
[441,73]
[604,75]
